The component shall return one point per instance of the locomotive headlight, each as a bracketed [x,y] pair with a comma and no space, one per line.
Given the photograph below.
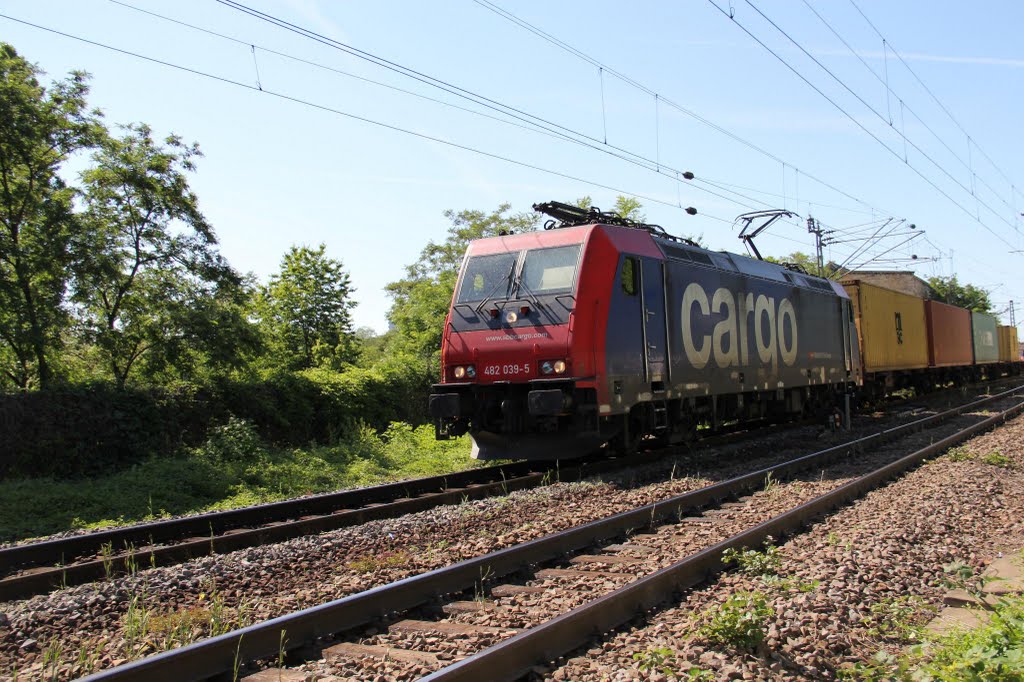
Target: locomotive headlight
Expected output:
[470,371]
[459,372]
[511,317]
[552,367]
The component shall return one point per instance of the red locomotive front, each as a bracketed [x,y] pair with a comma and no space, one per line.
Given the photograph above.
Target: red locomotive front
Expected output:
[513,373]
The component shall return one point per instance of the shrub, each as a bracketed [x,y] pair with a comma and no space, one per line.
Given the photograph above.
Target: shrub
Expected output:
[739,622]
[91,429]
[996,459]
[754,563]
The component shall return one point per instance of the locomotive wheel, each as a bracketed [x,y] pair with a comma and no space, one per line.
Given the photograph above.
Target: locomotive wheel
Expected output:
[627,441]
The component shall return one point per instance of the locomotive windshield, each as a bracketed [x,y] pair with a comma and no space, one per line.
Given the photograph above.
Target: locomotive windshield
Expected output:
[487,277]
[550,271]
[543,271]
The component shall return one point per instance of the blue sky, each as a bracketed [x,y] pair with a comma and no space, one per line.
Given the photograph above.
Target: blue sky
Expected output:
[278,173]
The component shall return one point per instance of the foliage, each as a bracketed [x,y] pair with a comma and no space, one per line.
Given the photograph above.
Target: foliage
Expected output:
[996,459]
[963,295]
[896,618]
[754,563]
[421,298]
[656,660]
[97,428]
[808,263]
[993,458]
[148,630]
[39,129]
[629,208]
[144,287]
[234,467]
[739,622]
[369,563]
[960,453]
[305,311]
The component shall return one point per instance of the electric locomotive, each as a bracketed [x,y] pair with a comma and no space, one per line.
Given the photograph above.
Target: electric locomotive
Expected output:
[600,330]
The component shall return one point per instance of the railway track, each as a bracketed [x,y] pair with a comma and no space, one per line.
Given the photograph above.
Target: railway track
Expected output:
[630,565]
[35,568]
[39,567]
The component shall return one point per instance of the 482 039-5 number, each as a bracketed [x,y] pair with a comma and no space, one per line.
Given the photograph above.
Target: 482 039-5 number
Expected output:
[507,370]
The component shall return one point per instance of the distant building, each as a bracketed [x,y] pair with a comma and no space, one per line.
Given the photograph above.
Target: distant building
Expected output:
[897,280]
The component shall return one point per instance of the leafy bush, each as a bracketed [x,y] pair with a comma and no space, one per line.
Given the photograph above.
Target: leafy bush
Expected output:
[996,459]
[754,563]
[233,468]
[87,430]
[236,441]
[993,651]
[896,618]
[739,622]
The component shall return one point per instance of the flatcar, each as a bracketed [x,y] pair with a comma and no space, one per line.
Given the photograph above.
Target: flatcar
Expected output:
[600,330]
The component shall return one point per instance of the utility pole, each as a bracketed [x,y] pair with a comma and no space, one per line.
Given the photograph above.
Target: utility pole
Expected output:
[820,240]
[1013,314]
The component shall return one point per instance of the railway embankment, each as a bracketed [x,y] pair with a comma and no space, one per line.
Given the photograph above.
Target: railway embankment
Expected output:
[96,626]
[849,599]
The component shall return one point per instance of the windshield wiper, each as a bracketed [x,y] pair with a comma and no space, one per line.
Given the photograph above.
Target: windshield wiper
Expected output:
[508,281]
[518,284]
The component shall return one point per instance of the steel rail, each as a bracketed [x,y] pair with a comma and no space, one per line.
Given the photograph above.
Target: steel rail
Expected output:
[222,654]
[512,658]
[35,568]
[139,546]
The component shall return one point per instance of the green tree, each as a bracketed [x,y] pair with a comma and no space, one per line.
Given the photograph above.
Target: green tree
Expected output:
[421,298]
[305,311]
[963,295]
[632,209]
[39,129]
[629,208]
[150,286]
[808,263]
[625,207]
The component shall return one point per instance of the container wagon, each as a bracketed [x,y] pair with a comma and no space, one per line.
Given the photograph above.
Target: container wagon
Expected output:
[1009,348]
[985,331]
[950,345]
[892,331]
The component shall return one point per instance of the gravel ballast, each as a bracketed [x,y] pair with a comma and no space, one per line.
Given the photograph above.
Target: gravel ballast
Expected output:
[263,582]
[876,567]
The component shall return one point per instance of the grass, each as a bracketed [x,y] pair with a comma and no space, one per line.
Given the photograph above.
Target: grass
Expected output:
[753,562]
[994,458]
[234,468]
[147,629]
[374,562]
[992,651]
[739,622]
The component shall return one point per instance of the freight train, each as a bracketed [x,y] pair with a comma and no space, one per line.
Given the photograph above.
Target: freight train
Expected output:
[601,331]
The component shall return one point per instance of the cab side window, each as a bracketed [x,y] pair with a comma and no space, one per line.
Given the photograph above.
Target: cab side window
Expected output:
[630,270]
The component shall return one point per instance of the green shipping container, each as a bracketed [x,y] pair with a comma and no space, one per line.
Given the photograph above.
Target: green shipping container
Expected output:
[986,338]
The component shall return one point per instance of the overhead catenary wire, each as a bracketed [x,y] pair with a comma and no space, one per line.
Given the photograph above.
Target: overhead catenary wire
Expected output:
[565,134]
[330,41]
[878,114]
[605,68]
[903,105]
[855,121]
[346,114]
[487,4]
[942,106]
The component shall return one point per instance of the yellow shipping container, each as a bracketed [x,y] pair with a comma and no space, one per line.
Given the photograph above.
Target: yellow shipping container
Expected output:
[891,327]
[1009,348]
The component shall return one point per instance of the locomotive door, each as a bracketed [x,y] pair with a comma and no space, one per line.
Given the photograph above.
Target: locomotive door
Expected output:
[654,318]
